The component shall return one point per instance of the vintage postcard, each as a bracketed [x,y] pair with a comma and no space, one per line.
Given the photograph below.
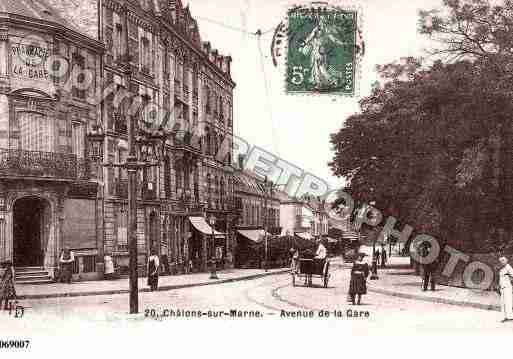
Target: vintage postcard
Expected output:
[245,177]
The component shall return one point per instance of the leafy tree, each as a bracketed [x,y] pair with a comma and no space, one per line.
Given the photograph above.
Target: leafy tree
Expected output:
[426,147]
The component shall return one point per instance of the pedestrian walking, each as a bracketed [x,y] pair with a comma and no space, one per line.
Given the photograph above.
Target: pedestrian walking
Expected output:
[358,282]
[66,260]
[153,270]
[7,289]
[384,257]
[294,259]
[428,269]
[428,277]
[377,255]
[506,289]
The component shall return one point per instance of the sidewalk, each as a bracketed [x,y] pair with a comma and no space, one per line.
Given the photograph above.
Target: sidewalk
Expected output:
[402,282]
[120,286]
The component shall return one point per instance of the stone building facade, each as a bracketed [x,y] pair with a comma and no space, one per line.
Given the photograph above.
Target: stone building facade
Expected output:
[48,194]
[259,210]
[183,82]
[305,217]
[145,55]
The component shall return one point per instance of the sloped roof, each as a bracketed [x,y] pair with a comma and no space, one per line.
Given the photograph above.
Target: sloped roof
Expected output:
[37,9]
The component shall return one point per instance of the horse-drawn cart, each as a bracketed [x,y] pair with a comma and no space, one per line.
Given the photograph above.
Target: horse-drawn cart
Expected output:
[308,268]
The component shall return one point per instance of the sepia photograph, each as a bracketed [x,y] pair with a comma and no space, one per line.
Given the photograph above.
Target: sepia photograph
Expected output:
[250,174]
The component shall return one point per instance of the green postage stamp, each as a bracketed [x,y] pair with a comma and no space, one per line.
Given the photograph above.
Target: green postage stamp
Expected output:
[323,46]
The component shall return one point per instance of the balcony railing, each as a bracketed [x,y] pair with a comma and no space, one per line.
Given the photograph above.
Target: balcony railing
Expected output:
[51,165]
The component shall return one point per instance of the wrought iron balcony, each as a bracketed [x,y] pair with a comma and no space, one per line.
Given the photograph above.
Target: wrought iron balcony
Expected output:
[45,165]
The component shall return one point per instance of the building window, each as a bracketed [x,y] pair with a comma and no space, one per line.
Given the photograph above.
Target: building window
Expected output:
[167,176]
[79,66]
[222,192]
[122,225]
[185,79]
[118,41]
[221,110]
[145,57]
[36,132]
[77,138]
[179,175]
[178,70]
[195,79]
[89,263]
[76,266]
[208,105]
[209,186]
[122,157]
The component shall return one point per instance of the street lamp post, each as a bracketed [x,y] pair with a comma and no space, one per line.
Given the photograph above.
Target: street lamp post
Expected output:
[213,272]
[146,149]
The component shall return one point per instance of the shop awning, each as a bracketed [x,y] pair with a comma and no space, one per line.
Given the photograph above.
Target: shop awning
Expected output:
[304,235]
[203,227]
[255,235]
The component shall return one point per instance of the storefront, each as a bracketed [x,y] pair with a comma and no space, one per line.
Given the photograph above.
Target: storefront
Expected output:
[207,243]
[251,247]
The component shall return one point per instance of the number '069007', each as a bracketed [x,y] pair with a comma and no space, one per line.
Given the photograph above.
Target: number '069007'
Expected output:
[14,344]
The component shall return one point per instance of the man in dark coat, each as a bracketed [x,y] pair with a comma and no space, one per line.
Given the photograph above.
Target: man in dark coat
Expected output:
[383,258]
[429,269]
[377,255]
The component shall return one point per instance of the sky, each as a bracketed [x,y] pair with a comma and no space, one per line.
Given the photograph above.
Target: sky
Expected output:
[297,127]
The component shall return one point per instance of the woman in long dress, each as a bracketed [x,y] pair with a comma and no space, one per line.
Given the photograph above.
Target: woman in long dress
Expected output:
[7,290]
[153,270]
[358,283]
[315,47]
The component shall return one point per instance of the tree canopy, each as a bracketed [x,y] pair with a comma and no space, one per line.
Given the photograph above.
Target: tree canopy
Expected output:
[432,145]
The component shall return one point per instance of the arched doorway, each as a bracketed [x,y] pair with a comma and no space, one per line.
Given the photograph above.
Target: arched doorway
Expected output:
[31,217]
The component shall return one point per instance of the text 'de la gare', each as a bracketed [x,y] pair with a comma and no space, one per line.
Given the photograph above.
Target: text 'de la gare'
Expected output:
[301,314]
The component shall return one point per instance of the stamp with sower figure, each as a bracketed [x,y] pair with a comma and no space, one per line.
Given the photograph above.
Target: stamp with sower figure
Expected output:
[323,47]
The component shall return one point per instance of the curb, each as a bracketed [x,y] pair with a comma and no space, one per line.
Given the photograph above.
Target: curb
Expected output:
[144,290]
[394,293]
[460,303]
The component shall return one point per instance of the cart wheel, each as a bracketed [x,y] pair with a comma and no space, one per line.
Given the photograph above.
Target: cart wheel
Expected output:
[293,280]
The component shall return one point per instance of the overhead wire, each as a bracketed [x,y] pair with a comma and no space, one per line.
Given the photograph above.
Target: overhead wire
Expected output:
[267,95]
[258,34]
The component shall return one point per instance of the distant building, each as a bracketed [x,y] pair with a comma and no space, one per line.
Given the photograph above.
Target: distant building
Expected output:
[305,217]
[259,216]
